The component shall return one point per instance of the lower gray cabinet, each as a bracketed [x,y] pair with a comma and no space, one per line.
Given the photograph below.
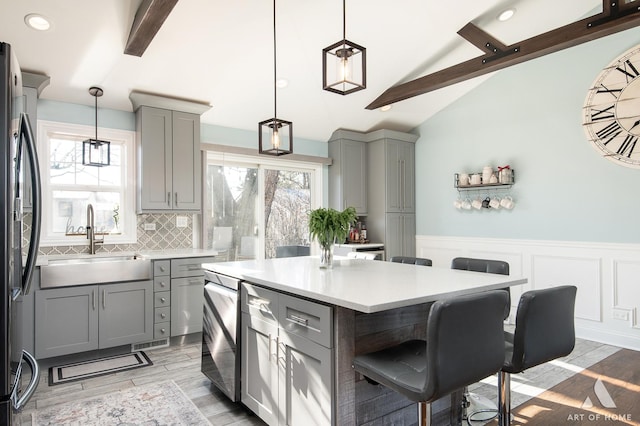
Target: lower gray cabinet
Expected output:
[77,319]
[400,235]
[187,301]
[286,374]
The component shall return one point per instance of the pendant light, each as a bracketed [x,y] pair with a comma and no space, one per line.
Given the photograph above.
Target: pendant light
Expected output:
[278,133]
[94,151]
[344,64]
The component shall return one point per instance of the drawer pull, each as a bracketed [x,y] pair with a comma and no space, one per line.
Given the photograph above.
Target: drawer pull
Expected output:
[256,301]
[195,281]
[163,300]
[162,284]
[162,330]
[163,316]
[162,269]
[298,320]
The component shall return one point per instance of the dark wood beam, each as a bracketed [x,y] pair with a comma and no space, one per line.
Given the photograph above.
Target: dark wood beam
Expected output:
[613,19]
[149,18]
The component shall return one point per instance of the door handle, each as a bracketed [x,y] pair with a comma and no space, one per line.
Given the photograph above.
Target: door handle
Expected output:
[93,299]
[176,199]
[169,199]
[104,299]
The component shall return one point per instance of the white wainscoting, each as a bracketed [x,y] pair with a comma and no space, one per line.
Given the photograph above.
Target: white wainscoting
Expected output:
[607,276]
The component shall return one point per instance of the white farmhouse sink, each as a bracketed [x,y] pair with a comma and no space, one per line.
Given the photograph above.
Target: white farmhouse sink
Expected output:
[93,270]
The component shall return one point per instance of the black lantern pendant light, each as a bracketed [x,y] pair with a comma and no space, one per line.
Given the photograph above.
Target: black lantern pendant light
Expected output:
[278,132]
[94,151]
[344,64]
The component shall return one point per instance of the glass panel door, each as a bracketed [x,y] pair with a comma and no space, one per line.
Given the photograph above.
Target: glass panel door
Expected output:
[287,201]
[231,211]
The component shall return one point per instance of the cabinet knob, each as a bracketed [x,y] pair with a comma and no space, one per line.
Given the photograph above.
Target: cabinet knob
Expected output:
[162,284]
[162,299]
[162,269]
[163,316]
[162,330]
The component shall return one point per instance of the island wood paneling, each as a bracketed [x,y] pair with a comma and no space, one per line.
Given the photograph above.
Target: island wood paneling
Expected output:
[357,333]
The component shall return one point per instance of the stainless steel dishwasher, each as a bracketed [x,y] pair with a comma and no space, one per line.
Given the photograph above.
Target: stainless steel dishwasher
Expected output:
[221,333]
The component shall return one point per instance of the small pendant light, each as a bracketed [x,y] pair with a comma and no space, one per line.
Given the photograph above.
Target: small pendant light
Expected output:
[344,64]
[94,151]
[278,132]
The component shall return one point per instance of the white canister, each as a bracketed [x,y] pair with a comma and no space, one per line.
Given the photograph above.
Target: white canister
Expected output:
[504,175]
[487,171]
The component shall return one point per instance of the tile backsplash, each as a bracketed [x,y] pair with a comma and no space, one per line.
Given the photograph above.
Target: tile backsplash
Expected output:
[166,236]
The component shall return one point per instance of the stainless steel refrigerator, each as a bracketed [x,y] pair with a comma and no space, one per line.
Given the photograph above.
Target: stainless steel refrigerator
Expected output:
[17,145]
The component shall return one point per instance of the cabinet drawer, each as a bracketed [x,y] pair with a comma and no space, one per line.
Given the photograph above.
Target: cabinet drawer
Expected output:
[161,330]
[162,299]
[161,267]
[259,302]
[162,284]
[306,319]
[191,267]
[162,315]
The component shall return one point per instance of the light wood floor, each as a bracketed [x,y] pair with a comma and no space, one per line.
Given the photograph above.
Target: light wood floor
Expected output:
[181,363]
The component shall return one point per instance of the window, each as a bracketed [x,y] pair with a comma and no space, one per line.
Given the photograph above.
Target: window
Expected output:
[68,186]
[258,210]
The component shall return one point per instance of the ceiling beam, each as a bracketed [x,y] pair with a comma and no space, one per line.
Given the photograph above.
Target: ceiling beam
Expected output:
[149,18]
[613,19]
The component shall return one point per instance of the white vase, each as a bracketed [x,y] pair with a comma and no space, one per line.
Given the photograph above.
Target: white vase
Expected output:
[326,257]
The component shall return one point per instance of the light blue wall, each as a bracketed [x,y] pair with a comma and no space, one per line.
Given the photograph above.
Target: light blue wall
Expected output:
[124,120]
[529,116]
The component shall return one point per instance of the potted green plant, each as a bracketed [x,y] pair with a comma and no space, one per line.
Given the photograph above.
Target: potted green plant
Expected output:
[327,226]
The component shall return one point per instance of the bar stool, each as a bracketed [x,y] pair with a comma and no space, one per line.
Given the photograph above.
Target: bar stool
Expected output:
[412,260]
[544,331]
[424,371]
[474,404]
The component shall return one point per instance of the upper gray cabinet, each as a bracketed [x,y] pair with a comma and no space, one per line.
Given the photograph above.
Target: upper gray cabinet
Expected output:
[348,172]
[169,167]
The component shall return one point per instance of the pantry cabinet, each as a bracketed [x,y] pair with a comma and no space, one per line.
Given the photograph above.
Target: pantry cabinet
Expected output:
[348,171]
[169,167]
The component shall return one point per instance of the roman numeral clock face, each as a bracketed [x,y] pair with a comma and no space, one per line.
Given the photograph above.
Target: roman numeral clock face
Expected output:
[612,110]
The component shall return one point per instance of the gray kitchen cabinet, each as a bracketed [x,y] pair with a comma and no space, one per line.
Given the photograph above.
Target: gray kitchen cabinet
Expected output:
[187,295]
[348,172]
[162,299]
[77,319]
[286,358]
[400,231]
[126,314]
[169,167]
[259,367]
[391,216]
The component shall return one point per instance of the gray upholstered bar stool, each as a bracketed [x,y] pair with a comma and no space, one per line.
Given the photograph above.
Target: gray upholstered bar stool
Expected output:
[412,260]
[474,404]
[544,331]
[424,371]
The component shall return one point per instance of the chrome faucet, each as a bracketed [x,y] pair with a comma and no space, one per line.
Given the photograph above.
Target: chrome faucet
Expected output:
[91,236]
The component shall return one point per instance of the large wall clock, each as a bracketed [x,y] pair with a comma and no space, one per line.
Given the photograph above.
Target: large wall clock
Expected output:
[611,113]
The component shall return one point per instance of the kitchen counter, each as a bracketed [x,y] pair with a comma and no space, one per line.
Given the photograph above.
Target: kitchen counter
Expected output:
[361,285]
[43,260]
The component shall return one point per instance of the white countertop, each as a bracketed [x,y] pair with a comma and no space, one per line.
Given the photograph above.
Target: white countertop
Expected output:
[43,260]
[362,285]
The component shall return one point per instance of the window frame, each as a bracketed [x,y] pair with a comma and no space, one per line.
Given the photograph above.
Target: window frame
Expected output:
[261,163]
[125,138]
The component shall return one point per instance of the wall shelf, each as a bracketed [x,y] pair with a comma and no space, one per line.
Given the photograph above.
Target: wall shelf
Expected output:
[505,184]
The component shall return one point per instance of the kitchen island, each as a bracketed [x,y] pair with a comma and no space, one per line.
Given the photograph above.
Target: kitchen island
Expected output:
[372,305]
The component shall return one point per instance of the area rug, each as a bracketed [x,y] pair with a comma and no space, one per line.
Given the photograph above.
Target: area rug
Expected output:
[156,404]
[99,367]
[607,393]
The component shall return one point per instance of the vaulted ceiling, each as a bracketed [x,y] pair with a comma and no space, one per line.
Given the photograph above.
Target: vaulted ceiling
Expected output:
[221,53]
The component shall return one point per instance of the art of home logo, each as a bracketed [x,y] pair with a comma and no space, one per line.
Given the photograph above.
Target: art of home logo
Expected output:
[605,401]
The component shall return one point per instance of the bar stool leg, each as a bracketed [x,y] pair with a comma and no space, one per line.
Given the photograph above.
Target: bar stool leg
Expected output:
[504,399]
[424,414]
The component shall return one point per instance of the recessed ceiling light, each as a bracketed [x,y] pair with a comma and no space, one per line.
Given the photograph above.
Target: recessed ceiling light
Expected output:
[385,108]
[505,15]
[37,22]
[281,83]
